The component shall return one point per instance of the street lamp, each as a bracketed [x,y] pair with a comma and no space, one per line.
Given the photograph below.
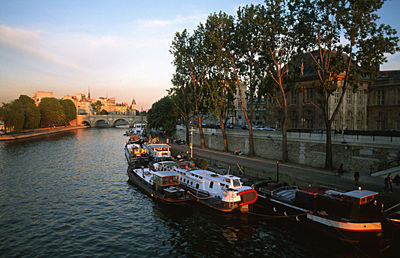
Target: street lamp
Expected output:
[191,142]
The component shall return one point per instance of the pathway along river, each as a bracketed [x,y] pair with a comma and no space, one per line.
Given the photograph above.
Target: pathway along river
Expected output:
[67,195]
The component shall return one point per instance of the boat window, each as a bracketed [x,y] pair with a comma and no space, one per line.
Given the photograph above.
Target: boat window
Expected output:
[197,186]
[236,182]
[211,184]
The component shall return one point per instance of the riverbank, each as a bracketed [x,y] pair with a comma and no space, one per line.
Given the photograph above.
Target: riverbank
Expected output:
[39,132]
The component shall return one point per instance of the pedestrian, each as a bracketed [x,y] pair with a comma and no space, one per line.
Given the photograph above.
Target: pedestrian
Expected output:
[356,177]
[341,170]
[388,182]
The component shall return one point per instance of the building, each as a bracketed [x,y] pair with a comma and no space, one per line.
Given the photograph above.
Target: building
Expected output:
[39,95]
[384,101]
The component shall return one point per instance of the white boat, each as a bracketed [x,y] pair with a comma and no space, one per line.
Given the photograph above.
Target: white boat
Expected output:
[224,193]
[158,151]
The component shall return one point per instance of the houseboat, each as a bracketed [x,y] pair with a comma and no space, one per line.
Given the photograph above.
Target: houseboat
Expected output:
[135,153]
[352,216]
[224,193]
[163,186]
[158,151]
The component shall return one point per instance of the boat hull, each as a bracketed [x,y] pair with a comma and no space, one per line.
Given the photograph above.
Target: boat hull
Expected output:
[351,231]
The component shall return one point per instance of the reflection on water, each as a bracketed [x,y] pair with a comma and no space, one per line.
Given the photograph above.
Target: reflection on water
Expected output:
[67,195]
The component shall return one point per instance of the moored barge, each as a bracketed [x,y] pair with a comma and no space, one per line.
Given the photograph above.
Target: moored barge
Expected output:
[353,216]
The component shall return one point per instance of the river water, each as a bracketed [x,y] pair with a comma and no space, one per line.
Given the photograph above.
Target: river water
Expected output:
[68,195]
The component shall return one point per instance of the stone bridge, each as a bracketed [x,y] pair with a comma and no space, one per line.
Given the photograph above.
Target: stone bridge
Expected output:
[95,120]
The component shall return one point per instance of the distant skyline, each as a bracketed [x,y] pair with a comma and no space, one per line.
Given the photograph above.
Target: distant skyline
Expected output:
[116,48]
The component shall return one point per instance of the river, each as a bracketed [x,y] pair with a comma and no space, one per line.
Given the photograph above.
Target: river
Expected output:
[68,195]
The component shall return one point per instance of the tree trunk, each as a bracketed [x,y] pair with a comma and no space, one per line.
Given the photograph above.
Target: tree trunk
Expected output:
[187,133]
[251,143]
[284,135]
[221,121]
[202,141]
[328,150]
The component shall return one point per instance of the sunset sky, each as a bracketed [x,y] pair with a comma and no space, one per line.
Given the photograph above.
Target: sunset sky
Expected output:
[117,48]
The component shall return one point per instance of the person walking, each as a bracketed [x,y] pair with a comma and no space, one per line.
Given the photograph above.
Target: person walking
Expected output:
[388,182]
[356,177]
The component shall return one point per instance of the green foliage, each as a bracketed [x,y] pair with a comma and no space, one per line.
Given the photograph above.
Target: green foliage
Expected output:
[162,115]
[96,107]
[52,112]
[69,110]
[103,112]
[13,115]
[31,112]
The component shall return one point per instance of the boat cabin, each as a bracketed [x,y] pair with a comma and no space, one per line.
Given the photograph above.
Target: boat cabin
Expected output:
[356,204]
[166,178]
[159,151]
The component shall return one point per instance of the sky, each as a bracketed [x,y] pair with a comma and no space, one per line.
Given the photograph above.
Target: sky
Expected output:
[116,48]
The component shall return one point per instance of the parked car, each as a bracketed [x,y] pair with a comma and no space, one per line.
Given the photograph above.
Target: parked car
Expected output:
[230,126]
[267,128]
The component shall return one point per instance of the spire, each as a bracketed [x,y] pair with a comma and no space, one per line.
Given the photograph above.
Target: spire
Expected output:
[133,101]
[88,95]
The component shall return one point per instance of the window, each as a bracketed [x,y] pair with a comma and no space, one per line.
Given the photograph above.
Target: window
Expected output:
[349,97]
[197,186]
[211,184]
[294,97]
[309,92]
[337,96]
[360,98]
[381,97]
[398,96]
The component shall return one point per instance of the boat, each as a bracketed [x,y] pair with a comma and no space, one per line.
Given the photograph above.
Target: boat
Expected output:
[163,186]
[352,216]
[224,193]
[135,153]
[158,151]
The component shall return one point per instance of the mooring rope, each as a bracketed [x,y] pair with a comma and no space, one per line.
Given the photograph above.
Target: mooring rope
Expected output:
[277,217]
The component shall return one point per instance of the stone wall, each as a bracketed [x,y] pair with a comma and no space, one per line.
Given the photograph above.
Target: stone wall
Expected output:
[366,153]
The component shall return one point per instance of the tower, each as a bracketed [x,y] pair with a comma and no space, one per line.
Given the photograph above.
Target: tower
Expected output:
[133,105]
[88,95]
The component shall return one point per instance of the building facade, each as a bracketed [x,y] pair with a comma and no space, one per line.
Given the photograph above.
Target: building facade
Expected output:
[384,102]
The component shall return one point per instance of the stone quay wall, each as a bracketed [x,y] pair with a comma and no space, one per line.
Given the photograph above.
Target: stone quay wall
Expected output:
[365,153]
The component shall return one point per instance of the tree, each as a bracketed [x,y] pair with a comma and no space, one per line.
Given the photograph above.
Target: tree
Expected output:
[69,110]
[284,25]
[162,115]
[219,31]
[340,64]
[246,59]
[189,67]
[31,112]
[96,107]
[51,112]
[13,116]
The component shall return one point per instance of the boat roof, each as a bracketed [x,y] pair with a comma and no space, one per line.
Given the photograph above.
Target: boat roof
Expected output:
[212,175]
[165,173]
[133,145]
[158,145]
[360,193]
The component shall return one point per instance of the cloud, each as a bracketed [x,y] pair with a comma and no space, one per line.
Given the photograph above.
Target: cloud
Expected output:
[31,43]
[178,20]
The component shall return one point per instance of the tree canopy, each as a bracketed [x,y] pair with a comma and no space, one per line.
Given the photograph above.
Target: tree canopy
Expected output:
[52,112]
[162,116]
[69,110]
